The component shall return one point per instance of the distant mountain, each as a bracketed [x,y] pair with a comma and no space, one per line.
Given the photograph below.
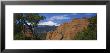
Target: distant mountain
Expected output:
[44,28]
[41,31]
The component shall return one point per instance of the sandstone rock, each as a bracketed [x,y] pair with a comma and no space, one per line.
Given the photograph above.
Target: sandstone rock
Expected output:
[68,30]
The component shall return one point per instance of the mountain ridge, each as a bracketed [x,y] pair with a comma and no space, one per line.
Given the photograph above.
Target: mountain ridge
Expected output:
[68,30]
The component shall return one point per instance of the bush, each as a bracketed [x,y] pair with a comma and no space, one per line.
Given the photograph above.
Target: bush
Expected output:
[20,36]
[41,36]
[90,33]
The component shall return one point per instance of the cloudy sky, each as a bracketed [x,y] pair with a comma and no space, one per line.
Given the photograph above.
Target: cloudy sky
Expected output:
[59,18]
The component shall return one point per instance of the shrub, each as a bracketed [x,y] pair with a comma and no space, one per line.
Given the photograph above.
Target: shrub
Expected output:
[90,33]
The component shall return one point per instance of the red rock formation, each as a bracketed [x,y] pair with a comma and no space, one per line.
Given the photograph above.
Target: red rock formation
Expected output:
[68,30]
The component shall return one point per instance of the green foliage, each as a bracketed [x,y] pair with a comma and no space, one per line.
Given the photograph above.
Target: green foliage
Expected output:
[34,18]
[21,19]
[93,20]
[90,33]
[20,36]
[41,36]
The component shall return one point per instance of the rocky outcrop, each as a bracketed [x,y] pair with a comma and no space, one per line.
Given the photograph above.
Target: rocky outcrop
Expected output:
[68,30]
[27,32]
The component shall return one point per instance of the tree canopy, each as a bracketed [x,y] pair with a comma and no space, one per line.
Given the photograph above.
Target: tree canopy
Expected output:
[29,19]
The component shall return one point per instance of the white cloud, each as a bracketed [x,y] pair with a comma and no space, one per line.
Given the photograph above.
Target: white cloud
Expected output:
[29,23]
[50,23]
[60,17]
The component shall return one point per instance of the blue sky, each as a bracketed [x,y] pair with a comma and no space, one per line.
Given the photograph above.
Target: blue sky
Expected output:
[59,18]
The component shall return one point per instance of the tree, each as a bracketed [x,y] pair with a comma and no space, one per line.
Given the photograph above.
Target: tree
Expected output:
[26,19]
[90,33]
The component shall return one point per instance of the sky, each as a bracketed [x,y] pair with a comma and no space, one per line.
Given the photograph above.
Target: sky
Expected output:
[60,18]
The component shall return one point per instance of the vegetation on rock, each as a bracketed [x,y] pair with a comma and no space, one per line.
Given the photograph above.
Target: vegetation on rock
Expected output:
[90,33]
[26,28]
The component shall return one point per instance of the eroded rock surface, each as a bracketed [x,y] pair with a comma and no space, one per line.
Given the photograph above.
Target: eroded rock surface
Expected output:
[68,30]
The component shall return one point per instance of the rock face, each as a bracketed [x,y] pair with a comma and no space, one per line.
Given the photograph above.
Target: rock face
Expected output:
[68,30]
[27,32]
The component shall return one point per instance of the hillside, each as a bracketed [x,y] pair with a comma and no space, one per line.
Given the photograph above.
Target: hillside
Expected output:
[44,28]
[70,30]
[41,31]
